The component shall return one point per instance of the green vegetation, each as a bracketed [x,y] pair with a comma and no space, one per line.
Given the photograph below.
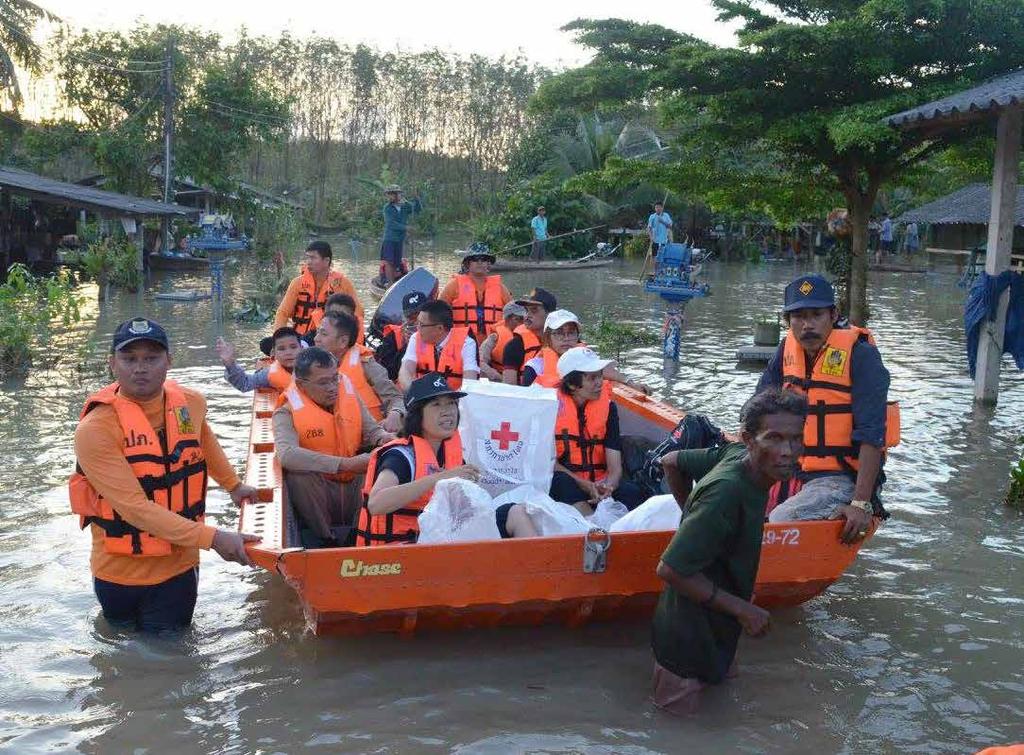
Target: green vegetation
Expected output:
[19,18]
[615,337]
[1015,493]
[32,310]
[111,259]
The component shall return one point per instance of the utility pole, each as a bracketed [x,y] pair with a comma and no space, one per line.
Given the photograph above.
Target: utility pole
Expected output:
[168,138]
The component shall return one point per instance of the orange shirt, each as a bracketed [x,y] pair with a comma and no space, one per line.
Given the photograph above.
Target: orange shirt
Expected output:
[451,291]
[99,446]
[286,308]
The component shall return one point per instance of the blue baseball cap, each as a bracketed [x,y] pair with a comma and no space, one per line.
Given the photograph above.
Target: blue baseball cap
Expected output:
[809,292]
[139,329]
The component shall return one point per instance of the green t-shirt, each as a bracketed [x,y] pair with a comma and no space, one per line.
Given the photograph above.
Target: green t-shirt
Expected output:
[720,537]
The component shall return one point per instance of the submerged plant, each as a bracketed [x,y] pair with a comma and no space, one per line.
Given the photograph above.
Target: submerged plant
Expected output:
[31,310]
[1015,494]
[614,337]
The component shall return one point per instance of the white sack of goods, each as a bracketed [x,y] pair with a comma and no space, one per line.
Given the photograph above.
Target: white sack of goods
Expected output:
[508,432]
[458,512]
[660,512]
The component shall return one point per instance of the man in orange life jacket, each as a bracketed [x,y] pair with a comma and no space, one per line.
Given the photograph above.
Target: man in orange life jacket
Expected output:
[322,432]
[286,347]
[340,304]
[337,334]
[526,342]
[309,291]
[395,336]
[144,452]
[476,296]
[841,373]
[437,346]
[492,350]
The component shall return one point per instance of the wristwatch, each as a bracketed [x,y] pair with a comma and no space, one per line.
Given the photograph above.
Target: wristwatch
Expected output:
[864,506]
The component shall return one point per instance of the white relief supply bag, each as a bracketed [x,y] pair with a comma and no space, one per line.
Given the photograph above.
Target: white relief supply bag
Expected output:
[508,432]
[607,512]
[549,517]
[459,511]
[659,512]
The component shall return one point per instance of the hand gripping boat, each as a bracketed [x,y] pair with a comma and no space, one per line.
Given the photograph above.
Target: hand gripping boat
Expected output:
[570,579]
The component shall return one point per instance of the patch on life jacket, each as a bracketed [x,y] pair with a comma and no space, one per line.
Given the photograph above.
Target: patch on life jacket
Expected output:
[833,362]
[185,426]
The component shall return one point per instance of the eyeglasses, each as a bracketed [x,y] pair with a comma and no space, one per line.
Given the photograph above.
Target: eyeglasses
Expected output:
[428,325]
[324,383]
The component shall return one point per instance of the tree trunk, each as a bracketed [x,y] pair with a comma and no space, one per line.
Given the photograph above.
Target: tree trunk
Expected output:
[859,209]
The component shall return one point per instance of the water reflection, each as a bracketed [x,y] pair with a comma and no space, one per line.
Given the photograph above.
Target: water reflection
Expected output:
[918,647]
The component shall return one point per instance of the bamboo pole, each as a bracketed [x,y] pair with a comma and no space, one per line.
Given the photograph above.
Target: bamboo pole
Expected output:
[551,238]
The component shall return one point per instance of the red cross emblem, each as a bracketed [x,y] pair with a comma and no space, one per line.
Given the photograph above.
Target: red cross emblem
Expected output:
[504,436]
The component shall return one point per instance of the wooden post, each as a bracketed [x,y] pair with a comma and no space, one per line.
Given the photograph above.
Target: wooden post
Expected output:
[1000,245]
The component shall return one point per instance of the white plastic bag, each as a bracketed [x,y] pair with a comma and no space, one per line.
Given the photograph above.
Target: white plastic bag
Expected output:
[606,513]
[660,512]
[549,517]
[509,433]
[459,511]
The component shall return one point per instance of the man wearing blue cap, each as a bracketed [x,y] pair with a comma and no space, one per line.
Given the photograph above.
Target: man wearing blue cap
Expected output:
[841,373]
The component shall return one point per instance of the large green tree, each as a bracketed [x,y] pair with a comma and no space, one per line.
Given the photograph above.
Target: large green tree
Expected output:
[807,86]
[17,47]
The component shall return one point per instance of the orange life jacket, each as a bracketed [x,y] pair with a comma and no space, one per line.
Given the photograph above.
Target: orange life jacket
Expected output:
[450,361]
[498,352]
[531,344]
[579,447]
[351,365]
[549,378]
[336,433]
[402,526]
[168,464]
[309,300]
[278,376]
[398,333]
[827,384]
[470,311]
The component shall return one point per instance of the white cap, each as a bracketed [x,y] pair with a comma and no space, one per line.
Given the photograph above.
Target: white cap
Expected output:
[580,359]
[558,318]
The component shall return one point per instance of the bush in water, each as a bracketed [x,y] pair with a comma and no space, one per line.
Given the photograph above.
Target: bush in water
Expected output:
[30,309]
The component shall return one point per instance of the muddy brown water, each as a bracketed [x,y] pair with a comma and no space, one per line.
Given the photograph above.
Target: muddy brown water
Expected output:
[917,648]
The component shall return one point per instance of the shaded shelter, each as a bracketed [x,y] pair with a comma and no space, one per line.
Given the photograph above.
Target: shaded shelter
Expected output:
[959,221]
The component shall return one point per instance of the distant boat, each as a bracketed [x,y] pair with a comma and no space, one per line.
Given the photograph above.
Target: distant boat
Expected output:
[511,266]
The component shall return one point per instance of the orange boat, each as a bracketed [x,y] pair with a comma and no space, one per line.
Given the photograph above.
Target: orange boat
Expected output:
[569,579]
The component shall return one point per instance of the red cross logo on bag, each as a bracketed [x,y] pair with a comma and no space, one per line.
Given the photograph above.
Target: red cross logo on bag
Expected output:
[504,436]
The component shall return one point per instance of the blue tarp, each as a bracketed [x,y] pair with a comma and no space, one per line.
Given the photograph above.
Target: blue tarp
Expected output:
[981,305]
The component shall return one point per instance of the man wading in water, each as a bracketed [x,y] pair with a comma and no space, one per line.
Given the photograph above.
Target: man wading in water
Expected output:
[710,566]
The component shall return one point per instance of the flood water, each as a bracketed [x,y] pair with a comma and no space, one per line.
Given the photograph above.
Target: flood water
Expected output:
[917,648]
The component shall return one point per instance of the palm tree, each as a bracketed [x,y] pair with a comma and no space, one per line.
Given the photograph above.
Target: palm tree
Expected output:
[17,19]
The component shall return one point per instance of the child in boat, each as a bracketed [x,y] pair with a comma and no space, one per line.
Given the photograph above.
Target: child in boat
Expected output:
[588,446]
[286,347]
[561,333]
[402,474]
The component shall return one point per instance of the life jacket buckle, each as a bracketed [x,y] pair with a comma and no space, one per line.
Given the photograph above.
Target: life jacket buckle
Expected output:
[596,543]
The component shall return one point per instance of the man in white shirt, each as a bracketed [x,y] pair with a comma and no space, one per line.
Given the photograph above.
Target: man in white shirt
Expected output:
[438,347]
[659,227]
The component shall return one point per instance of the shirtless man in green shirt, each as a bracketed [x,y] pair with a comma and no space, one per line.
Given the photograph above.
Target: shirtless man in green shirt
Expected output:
[710,566]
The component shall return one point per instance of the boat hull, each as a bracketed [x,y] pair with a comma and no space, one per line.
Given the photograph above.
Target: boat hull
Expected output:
[511,266]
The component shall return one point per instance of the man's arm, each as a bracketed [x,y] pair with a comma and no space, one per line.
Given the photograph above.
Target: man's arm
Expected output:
[486,349]
[512,360]
[245,381]
[450,291]
[390,397]
[700,590]
[470,369]
[407,372]
[286,308]
[684,468]
[772,375]
[373,434]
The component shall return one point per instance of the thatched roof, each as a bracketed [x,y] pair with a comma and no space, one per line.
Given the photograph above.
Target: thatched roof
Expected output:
[971,204]
[972,104]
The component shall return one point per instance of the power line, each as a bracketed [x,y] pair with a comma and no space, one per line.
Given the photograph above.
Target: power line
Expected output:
[80,57]
[264,115]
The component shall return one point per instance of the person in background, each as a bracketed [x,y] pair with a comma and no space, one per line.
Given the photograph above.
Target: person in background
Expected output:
[539,234]
[322,435]
[343,304]
[659,227]
[144,451]
[913,238]
[886,235]
[396,224]
[395,336]
[588,444]
[402,475]
[438,347]
[337,335]
[476,297]
[525,343]
[278,374]
[710,566]
[309,291]
[492,350]
[840,371]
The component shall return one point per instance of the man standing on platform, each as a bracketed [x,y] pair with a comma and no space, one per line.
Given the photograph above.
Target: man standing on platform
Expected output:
[539,230]
[659,227]
[396,225]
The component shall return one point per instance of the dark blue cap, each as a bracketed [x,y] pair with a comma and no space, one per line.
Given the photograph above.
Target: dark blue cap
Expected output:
[431,385]
[139,329]
[809,292]
[412,302]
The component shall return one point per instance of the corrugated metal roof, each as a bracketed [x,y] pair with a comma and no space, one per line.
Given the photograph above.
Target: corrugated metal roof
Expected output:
[992,95]
[971,204]
[86,196]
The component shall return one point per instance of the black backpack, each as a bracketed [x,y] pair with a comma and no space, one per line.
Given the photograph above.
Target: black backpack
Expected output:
[693,431]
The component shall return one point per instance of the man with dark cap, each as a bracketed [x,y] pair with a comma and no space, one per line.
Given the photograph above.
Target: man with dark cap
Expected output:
[395,337]
[476,296]
[526,343]
[849,423]
[144,451]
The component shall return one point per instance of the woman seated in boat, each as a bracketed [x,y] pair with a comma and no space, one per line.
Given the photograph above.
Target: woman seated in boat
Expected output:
[588,446]
[402,474]
[561,333]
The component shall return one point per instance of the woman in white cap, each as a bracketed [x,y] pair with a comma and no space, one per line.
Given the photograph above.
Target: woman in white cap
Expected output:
[561,333]
[588,445]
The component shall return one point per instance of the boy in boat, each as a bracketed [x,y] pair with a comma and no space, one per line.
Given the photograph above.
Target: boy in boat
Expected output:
[492,350]
[437,346]
[337,335]
[525,341]
[396,223]
[710,565]
[322,432]
[285,349]
[395,337]
[402,474]
[309,291]
[840,371]
[144,451]
[588,445]
[476,297]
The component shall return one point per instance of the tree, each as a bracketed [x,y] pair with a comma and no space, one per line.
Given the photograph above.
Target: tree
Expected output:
[809,84]
[17,19]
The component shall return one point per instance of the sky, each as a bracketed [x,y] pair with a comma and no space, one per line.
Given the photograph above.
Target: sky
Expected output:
[493,29]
